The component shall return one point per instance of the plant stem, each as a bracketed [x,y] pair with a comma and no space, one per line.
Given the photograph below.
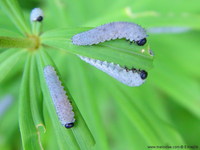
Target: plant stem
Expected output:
[9,42]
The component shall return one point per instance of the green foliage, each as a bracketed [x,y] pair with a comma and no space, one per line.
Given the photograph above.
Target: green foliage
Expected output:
[109,115]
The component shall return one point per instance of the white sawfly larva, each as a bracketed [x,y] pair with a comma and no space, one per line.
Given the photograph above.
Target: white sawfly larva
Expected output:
[111,31]
[36,15]
[60,99]
[131,77]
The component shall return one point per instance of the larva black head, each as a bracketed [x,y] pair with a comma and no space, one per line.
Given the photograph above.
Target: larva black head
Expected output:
[39,19]
[141,42]
[143,74]
[69,125]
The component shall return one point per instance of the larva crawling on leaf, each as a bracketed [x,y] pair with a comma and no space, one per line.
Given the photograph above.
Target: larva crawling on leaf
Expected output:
[130,77]
[61,102]
[111,31]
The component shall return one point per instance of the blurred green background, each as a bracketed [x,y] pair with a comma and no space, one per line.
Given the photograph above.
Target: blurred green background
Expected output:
[165,111]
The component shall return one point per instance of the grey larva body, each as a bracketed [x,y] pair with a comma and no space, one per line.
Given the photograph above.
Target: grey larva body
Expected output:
[37,15]
[110,31]
[61,102]
[126,76]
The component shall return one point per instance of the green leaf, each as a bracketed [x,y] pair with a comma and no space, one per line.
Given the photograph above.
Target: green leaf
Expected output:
[117,51]
[173,74]
[76,137]
[30,139]
[140,116]
[8,33]
[12,8]
[36,99]
[163,130]
[10,61]
[4,55]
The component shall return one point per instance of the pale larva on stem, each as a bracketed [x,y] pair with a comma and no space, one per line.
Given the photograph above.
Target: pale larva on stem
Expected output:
[60,99]
[130,77]
[36,15]
[111,31]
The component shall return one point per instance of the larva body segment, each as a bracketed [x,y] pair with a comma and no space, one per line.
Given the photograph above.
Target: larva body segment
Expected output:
[61,102]
[110,31]
[130,77]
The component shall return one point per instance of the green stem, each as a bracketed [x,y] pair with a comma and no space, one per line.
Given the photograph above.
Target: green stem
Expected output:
[10,42]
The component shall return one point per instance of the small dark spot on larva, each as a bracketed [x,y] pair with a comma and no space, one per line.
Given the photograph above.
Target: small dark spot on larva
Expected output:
[40,18]
[141,42]
[69,125]
[143,74]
